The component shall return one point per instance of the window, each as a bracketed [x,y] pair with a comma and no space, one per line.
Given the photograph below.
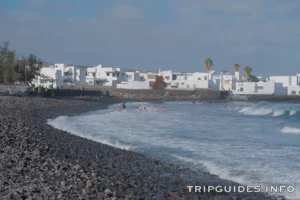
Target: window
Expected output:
[177,84]
[93,74]
[66,73]
[182,83]
[199,79]
[299,92]
[107,74]
[242,89]
[90,82]
[293,92]
[205,77]
[98,73]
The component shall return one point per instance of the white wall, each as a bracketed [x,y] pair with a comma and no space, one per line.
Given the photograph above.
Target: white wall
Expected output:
[280,90]
[285,80]
[61,75]
[267,88]
[294,90]
[108,75]
[134,85]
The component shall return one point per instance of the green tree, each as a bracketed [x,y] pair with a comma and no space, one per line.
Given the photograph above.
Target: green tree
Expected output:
[208,63]
[7,64]
[248,70]
[249,76]
[29,67]
[17,70]
[237,67]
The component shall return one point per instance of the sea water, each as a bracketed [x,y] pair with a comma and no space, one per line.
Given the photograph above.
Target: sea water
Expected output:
[244,142]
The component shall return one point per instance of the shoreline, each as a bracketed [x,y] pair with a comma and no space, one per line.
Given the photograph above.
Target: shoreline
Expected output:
[44,162]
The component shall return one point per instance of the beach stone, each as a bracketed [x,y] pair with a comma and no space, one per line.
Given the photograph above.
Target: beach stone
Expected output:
[89,184]
[38,161]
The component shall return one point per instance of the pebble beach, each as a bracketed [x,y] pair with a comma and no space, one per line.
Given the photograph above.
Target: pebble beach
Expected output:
[39,162]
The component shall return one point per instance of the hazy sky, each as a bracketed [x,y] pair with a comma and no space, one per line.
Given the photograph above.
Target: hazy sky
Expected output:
[152,34]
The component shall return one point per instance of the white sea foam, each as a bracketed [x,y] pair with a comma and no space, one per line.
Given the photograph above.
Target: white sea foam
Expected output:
[277,113]
[223,141]
[292,112]
[290,130]
[256,111]
[213,168]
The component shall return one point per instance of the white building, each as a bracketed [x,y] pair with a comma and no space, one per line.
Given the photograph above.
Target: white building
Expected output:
[105,76]
[135,80]
[291,83]
[286,80]
[61,76]
[189,81]
[293,90]
[263,88]
[225,80]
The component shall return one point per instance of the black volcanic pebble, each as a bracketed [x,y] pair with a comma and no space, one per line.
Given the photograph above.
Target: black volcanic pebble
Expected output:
[40,162]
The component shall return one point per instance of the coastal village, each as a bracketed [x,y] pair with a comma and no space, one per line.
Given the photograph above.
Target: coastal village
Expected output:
[240,81]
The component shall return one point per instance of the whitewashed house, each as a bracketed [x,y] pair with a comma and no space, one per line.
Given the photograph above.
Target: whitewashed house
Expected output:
[105,76]
[262,88]
[190,81]
[291,83]
[134,80]
[225,80]
[61,76]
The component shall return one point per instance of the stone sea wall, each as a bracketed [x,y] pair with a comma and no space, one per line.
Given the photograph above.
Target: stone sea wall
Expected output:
[166,95]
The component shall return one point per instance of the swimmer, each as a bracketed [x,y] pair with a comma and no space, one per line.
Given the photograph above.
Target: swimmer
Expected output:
[124,106]
[140,107]
[164,109]
[145,107]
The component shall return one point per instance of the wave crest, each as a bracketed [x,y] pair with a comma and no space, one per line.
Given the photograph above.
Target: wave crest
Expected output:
[290,130]
[274,110]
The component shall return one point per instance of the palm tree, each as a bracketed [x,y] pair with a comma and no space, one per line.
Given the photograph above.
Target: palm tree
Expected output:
[237,67]
[208,63]
[248,70]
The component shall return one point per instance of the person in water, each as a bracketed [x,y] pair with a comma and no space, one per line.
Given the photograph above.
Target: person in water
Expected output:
[145,107]
[124,106]
[163,109]
[140,107]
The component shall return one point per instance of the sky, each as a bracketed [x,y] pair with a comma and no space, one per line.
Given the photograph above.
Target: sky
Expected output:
[151,34]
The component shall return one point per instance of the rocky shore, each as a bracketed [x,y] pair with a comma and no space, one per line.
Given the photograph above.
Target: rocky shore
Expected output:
[38,161]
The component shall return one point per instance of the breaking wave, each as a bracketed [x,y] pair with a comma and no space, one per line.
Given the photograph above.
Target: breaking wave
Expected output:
[274,110]
[290,130]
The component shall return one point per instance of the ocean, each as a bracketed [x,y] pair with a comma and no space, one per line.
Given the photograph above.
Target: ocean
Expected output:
[249,143]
